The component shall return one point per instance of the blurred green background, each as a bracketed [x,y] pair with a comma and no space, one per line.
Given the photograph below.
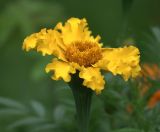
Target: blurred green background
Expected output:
[31,102]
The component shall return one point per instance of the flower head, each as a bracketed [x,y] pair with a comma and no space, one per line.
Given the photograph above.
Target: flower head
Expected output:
[77,50]
[148,72]
[155,98]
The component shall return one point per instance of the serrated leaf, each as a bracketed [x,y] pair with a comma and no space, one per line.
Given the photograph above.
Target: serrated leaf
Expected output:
[26,121]
[11,103]
[38,108]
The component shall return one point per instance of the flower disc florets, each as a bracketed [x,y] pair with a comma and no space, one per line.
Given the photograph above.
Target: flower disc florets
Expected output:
[83,53]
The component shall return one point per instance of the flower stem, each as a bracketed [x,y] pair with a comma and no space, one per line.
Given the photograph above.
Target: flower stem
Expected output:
[82,96]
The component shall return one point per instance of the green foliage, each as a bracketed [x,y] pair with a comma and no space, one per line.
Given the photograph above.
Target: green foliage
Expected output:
[128,130]
[35,117]
[31,102]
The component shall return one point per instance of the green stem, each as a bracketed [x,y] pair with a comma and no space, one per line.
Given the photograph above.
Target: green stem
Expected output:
[82,96]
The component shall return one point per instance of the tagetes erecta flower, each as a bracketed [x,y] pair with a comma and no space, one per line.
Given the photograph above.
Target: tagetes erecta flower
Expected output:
[149,72]
[77,50]
[155,98]
[129,108]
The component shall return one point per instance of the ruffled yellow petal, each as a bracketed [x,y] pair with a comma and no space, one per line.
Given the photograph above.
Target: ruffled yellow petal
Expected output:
[76,30]
[46,41]
[61,70]
[31,41]
[122,61]
[92,79]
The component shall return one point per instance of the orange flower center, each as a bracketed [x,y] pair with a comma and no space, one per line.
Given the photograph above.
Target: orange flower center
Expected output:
[83,53]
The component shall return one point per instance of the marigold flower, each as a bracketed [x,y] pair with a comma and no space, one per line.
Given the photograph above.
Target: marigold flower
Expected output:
[151,71]
[77,50]
[155,98]
[148,72]
[129,108]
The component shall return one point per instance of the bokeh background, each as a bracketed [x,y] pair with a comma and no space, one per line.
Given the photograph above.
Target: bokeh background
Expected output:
[31,102]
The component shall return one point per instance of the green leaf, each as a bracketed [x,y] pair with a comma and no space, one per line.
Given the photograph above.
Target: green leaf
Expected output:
[38,108]
[156,32]
[43,127]
[26,122]
[59,113]
[11,111]
[11,103]
[128,130]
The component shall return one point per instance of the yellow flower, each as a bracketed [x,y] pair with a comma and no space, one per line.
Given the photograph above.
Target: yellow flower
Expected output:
[77,50]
